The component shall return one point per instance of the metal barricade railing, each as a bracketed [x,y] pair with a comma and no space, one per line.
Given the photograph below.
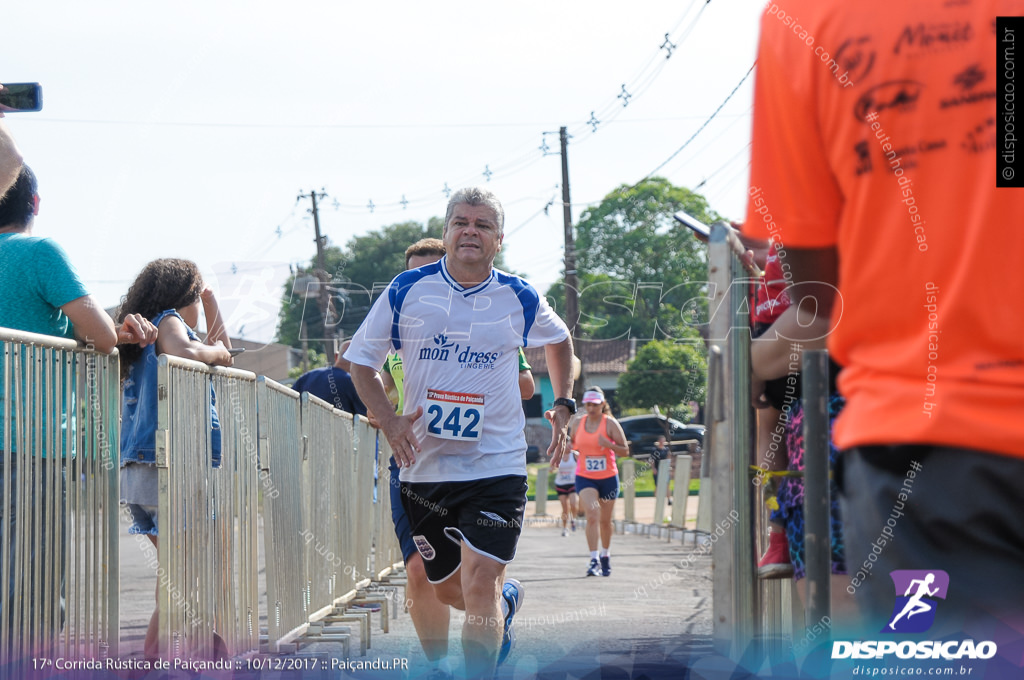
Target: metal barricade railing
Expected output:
[328,441]
[361,524]
[325,503]
[387,552]
[282,468]
[817,494]
[745,609]
[325,535]
[208,594]
[59,444]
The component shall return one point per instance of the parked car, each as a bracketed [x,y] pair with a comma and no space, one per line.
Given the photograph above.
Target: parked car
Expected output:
[643,431]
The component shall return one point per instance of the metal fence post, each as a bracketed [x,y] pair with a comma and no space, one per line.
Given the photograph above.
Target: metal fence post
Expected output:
[714,404]
[629,492]
[817,501]
[736,608]
[682,490]
[540,496]
[661,491]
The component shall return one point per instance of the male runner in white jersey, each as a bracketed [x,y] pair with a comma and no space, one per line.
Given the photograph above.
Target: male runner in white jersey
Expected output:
[460,445]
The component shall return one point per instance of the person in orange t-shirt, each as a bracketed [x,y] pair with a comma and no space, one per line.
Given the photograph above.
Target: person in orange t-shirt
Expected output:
[874,173]
[598,438]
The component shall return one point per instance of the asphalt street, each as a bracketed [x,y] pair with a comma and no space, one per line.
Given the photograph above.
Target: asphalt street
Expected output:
[650,618]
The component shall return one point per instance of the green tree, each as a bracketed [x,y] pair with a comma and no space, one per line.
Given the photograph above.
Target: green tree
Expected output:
[352,273]
[641,274]
[664,374]
[295,307]
[379,256]
[355,275]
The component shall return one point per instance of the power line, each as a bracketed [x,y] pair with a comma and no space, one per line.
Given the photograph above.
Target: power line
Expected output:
[340,126]
[710,142]
[609,112]
[287,126]
[701,128]
[723,166]
[642,80]
[612,110]
[531,218]
[723,185]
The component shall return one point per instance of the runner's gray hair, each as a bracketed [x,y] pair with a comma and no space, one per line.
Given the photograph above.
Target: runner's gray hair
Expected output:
[476,196]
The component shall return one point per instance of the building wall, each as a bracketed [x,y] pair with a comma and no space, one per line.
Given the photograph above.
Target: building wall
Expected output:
[270,359]
[604,381]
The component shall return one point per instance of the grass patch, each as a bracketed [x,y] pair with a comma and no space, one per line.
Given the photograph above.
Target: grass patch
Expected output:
[643,483]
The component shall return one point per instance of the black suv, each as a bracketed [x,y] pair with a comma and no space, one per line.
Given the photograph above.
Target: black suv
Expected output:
[643,431]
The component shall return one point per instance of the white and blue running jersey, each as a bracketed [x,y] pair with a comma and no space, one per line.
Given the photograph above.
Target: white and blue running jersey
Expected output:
[460,352]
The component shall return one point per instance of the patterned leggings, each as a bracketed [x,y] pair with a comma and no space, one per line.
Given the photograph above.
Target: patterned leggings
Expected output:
[791,491]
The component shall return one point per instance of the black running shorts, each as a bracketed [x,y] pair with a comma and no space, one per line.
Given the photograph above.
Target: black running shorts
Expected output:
[486,514]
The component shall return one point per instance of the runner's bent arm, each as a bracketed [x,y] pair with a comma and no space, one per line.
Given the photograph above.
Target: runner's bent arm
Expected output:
[799,328]
[559,359]
[527,387]
[397,428]
[618,442]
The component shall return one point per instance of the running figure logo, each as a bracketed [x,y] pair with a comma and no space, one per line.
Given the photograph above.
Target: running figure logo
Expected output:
[914,611]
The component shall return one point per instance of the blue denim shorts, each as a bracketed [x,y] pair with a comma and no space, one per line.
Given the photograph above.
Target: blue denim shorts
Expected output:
[143,519]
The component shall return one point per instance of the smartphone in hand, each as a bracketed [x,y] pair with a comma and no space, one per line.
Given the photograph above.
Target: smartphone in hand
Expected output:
[235,351]
[21,97]
[695,225]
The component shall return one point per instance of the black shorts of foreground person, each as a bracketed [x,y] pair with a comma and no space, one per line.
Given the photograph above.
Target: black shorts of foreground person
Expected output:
[933,507]
[485,514]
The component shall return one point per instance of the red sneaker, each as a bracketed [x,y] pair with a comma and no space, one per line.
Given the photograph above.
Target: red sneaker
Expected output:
[775,563]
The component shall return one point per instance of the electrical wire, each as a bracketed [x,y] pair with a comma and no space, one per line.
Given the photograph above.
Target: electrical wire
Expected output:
[700,129]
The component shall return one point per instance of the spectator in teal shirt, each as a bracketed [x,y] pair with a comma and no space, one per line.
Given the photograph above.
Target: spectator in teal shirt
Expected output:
[40,292]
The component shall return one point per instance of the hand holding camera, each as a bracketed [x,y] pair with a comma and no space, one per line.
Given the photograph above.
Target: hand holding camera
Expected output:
[20,97]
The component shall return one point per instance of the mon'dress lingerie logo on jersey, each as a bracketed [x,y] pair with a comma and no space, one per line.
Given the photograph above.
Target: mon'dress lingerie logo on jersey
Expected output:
[917,593]
[443,349]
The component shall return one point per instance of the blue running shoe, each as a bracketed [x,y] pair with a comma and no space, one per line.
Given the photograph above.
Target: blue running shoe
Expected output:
[512,591]
[594,569]
[606,566]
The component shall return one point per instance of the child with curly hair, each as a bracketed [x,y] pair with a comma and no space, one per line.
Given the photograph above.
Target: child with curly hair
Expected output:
[168,292]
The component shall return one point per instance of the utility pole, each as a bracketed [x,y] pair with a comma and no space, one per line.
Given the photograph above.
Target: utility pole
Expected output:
[572,311]
[322,297]
[572,305]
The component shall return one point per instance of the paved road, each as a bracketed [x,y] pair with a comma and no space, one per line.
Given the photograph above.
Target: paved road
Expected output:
[651,617]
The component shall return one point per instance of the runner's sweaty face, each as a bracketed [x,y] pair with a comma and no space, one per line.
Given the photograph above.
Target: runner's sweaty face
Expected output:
[472,236]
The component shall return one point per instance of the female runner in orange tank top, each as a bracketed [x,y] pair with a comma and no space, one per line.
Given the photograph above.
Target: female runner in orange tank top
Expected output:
[599,439]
